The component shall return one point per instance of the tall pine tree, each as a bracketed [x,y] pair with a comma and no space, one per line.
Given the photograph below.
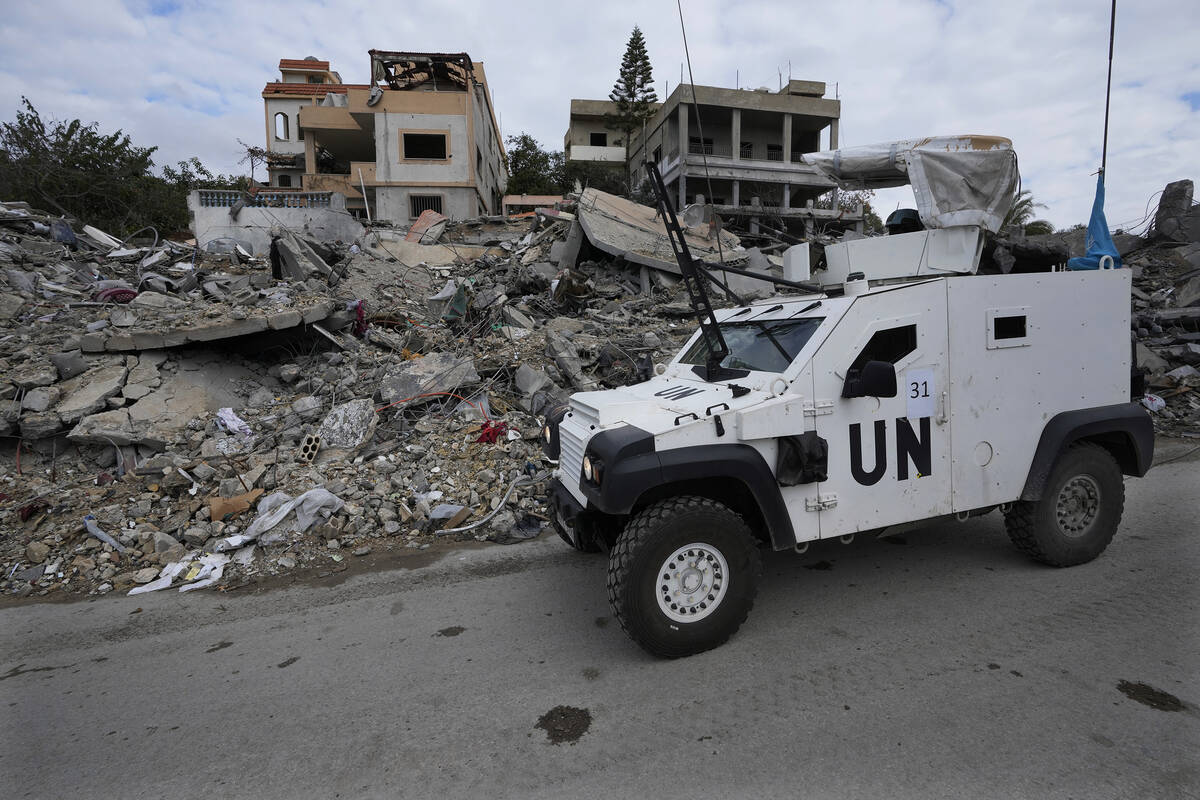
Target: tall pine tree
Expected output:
[634,90]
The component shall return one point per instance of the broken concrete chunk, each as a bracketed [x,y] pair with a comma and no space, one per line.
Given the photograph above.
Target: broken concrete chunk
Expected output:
[69,364]
[89,392]
[10,306]
[1150,360]
[349,425]
[297,258]
[529,380]
[41,398]
[567,360]
[31,374]
[1181,374]
[565,325]
[40,425]
[307,408]
[107,427]
[490,297]
[1187,293]
[36,552]
[515,318]
[158,301]
[1173,206]
[435,372]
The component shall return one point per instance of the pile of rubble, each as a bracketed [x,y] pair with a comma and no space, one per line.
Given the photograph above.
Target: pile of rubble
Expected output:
[183,416]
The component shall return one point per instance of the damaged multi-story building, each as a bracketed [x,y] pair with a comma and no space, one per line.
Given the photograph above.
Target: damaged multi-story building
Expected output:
[422,135]
[738,148]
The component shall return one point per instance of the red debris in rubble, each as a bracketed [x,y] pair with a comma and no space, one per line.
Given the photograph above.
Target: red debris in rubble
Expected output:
[115,295]
[491,432]
[28,510]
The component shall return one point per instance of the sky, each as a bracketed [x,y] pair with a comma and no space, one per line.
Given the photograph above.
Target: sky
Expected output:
[188,76]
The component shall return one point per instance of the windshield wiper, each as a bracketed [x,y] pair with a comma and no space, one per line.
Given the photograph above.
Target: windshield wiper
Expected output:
[767,311]
[808,307]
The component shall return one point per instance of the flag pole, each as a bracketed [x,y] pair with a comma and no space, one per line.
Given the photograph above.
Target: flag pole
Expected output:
[1112,28]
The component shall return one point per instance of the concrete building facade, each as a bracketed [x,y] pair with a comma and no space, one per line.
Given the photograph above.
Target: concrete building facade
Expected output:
[421,136]
[588,137]
[746,144]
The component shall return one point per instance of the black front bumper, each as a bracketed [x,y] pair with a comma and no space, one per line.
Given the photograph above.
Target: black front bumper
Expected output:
[567,510]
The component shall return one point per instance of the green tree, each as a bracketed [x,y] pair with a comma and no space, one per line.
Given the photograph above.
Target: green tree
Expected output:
[1021,215]
[73,169]
[102,179]
[532,170]
[634,90]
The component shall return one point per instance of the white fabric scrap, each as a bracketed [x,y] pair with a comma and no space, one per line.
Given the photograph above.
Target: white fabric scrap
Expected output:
[162,581]
[211,570]
[313,505]
[233,422]
[212,567]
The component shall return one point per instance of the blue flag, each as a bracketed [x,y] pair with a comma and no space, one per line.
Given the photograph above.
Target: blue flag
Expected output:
[1099,242]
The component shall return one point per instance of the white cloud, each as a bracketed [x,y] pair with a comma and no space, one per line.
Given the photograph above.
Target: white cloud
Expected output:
[190,80]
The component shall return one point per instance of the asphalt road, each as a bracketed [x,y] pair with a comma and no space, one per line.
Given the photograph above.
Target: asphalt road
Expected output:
[949,666]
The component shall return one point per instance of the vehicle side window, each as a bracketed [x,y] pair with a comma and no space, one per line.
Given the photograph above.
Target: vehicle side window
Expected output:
[889,344]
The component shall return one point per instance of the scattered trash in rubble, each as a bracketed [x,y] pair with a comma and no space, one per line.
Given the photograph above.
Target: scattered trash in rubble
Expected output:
[219,418]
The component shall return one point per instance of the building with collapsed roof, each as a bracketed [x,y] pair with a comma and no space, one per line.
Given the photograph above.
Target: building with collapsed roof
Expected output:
[422,135]
[738,148]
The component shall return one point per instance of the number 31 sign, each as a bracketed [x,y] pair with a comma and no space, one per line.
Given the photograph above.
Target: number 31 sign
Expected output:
[920,391]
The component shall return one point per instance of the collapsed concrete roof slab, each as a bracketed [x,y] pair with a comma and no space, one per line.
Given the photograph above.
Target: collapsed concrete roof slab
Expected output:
[634,232]
[384,243]
[158,334]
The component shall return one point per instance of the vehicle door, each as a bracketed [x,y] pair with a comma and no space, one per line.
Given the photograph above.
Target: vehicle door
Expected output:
[889,451]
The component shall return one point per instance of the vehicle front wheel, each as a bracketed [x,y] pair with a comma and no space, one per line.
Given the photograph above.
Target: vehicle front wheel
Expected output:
[1078,512]
[683,576]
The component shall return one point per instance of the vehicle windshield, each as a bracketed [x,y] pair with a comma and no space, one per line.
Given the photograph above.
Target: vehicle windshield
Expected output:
[766,346]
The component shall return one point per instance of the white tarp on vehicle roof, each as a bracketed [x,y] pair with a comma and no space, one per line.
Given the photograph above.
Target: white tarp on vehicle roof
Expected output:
[957,180]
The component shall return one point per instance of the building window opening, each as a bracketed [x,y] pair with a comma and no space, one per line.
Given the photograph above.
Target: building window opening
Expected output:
[598,139]
[285,180]
[299,130]
[698,145]
[774,152]
[747,150]
[314,79]
[281,126]
[425,146]
[419,203]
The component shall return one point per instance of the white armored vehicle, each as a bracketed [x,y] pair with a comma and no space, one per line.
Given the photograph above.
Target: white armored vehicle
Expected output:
[904,388]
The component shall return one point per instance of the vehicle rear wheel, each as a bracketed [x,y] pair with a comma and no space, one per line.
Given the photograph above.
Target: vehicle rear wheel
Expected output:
[683,576]
[1078,512]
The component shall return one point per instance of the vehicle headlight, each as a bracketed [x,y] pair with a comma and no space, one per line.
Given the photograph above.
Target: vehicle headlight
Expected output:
[587,468]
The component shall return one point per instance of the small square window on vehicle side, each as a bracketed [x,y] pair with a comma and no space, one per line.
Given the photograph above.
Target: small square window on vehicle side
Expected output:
[1007,327]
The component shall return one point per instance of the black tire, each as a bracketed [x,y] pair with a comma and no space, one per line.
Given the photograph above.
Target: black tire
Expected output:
[1078,512]
[634,580]
[587,544]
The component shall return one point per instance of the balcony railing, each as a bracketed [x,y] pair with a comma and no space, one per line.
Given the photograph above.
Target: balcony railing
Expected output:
[214,198]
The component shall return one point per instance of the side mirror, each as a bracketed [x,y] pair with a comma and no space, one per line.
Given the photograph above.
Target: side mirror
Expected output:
[875,379]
